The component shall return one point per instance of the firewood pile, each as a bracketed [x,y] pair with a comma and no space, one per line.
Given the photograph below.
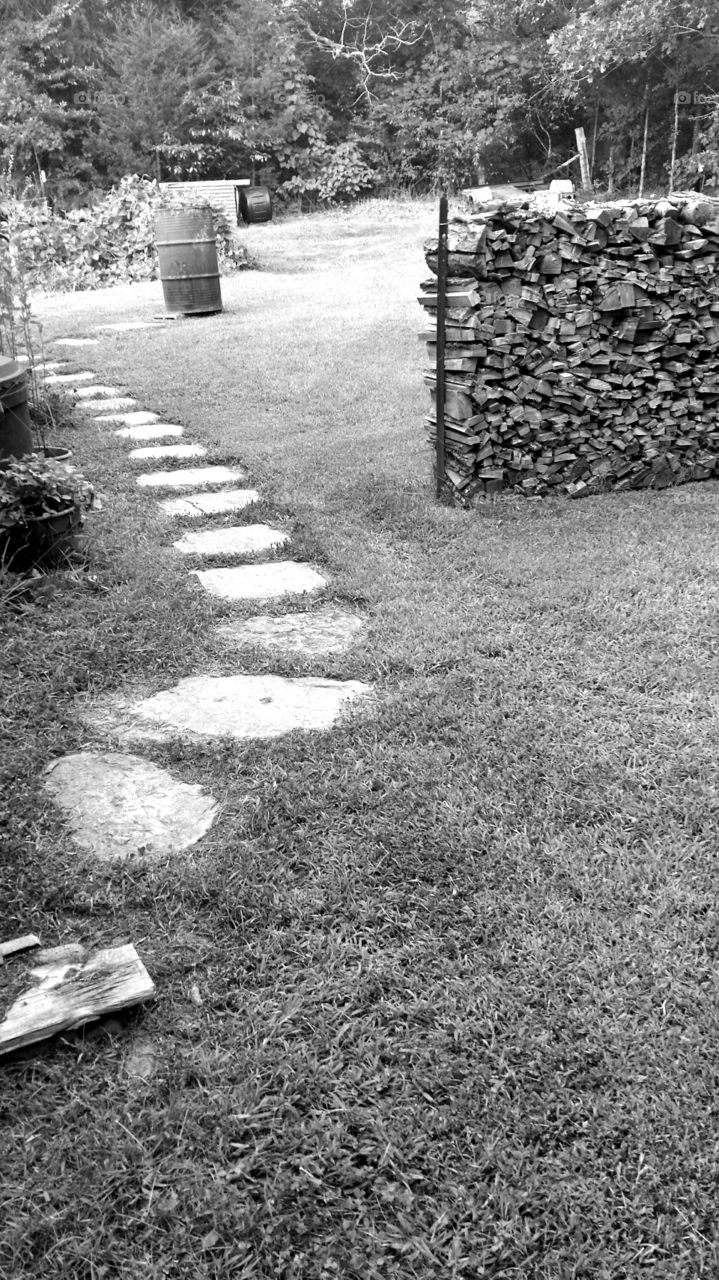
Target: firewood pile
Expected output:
[582,346]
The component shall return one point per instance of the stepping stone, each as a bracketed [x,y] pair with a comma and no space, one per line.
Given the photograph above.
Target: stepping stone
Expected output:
[157,431]
[126,325]
[205,504]
[68,379]
[188,478]
[121,806]
[139,419]
[238,540]
[119,404]
[234,706]
[169,451]
[261,581]
[97,389]
[326,630]
[76,342]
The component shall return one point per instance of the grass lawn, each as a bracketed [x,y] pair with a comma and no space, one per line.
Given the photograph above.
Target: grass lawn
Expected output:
[438,994]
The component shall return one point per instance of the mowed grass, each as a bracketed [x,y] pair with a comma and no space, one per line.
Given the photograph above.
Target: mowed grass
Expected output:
[437,995]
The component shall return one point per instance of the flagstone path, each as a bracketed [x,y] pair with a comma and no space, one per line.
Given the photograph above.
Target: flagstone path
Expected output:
[119,805]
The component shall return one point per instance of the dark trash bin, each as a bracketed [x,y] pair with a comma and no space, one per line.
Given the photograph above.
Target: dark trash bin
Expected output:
[16,438]
[187,250]
[253,204]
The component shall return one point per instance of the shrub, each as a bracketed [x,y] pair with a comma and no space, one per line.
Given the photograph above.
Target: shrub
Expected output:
[110,242]
[334,175]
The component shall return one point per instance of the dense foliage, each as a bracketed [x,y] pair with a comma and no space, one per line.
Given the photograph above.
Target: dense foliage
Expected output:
[111,242]
[328,99]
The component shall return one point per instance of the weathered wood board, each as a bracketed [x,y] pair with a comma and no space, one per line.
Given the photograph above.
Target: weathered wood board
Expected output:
[63,994]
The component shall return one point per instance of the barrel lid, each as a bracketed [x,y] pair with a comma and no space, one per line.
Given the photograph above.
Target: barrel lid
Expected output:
[9,369]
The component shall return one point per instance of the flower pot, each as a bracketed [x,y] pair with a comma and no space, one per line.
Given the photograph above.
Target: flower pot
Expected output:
[40,541]
[61,452]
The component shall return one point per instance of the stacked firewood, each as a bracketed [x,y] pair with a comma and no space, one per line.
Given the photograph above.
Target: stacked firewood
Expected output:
[582,346]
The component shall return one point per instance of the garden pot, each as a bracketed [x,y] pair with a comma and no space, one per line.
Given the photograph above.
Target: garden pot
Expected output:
[15,431]
[40,541]
[60,452]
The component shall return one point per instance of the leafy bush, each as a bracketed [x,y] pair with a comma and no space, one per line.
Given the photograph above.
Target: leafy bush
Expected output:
[334,175]
[34,487]
[111,242]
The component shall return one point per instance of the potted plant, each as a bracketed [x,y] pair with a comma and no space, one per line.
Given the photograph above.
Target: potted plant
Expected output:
[42,505]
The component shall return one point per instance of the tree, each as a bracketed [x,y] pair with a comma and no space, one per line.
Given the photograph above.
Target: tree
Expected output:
[633,58]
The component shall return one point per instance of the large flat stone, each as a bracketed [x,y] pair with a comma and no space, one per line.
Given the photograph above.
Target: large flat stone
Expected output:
[154,431]
[76,342]
[235,706]
[261,581]
[68,379]
[138,419]
[121,806]
[326,630]
[237,540]
[120,404]
[205,504]
[168,451]
[189,477]
[97,389]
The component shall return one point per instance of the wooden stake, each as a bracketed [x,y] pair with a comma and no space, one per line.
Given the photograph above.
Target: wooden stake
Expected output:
[675,133]
[441,306]
[594,138]
[583,159]
[643,169]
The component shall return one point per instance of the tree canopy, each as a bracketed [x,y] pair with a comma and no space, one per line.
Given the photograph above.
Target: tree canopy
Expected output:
[324,99]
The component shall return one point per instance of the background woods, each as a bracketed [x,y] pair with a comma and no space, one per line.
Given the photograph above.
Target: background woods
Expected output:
[328,99]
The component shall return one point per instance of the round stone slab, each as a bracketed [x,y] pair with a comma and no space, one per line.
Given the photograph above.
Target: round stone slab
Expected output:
[155,431]
[238,540]
[203,504]
[326,630]
[261,581]
[189,477]
[168,451]
[139,419]
[240,707]
[122,806]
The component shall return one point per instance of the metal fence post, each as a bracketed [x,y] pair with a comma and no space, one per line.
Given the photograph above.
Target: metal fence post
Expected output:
[441,307]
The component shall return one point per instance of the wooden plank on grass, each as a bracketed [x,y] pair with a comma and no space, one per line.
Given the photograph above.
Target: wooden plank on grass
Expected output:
[67,994]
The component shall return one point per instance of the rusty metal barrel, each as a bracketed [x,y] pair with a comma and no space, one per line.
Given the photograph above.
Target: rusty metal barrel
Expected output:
[187,250]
